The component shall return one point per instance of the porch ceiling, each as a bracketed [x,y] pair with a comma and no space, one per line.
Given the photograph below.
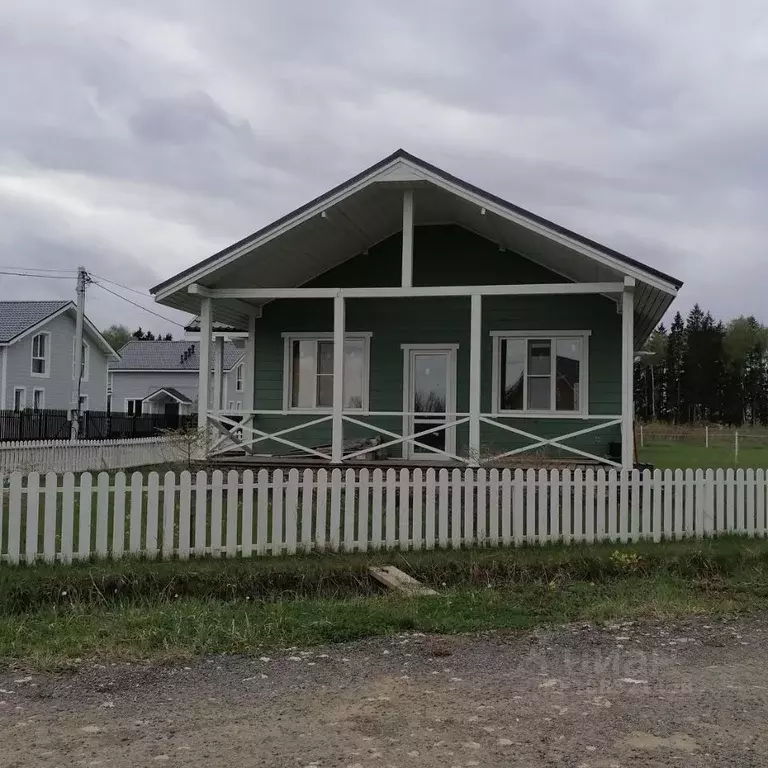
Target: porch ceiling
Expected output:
[369,209]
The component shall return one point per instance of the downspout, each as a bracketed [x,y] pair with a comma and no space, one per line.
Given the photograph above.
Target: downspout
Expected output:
[3,376]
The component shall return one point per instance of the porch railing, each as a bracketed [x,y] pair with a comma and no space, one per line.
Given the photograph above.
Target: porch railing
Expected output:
[236,432]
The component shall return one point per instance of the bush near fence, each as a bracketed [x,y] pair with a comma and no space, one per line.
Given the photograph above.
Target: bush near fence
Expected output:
[63,518]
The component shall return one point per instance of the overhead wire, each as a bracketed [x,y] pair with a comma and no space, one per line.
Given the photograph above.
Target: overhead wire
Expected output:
[120,285]
[135,303]
[33,274]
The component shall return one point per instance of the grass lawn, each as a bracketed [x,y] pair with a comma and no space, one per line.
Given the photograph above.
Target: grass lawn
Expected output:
[681,455]
[50,615]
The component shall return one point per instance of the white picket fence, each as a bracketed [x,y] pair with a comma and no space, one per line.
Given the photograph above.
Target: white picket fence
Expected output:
[61,517]
[83,455]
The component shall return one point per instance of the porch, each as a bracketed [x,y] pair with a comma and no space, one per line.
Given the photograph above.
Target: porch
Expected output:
[483,394]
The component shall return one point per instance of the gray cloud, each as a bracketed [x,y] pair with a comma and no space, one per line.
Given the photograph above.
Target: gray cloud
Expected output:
[137,139]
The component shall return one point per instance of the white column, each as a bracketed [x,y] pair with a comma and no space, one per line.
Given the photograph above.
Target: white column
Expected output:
[249,382]
[475,381]
[204,378]
[337,443]
[218,374]
[627,371]
[407,280]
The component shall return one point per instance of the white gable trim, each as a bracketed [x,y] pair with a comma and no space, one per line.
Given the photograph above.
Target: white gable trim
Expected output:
[402,169]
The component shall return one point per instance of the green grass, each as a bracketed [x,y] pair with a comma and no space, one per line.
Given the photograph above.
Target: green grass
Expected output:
[681,455]
[50,615]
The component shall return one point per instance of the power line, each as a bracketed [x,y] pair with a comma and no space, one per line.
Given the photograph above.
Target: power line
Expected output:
[120,285]
[136,304]
[32,274]
[37,269]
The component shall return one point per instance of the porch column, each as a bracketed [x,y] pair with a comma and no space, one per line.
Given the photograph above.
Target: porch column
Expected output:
[337,442]
[249,374]
[475,386]
[627,371]
[205,363]
[218,374]
[407,280]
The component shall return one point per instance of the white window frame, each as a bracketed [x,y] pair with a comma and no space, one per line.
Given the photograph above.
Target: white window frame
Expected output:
[552,337]
[22,400]
[134,400]
[239,380]
[46,358]
[86,359]
[41,407]
[289,338]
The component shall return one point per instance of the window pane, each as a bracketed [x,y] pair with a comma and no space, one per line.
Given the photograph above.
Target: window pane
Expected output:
[539,393]
[325,391]
[38,366]
[567,368]
[325,361]
[512,367]
[353,373]
[539,357]
[303,370]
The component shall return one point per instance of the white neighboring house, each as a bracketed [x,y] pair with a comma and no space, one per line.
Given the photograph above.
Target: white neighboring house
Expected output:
[37,357]
[163,377]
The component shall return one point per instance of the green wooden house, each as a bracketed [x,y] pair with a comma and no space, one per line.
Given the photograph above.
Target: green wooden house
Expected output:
[406,315]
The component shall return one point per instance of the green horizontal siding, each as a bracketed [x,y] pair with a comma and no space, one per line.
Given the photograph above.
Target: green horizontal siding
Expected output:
[444,255]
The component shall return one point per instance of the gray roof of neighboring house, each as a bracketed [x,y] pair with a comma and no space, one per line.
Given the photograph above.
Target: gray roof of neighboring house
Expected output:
[168,356]
[16,317]
[173,393]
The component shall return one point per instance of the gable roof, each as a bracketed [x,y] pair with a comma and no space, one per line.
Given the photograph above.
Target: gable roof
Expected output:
[142,355]
[19,318]
[171,392]
[367,209]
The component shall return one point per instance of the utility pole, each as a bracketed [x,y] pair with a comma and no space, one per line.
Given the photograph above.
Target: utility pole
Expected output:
[82,280]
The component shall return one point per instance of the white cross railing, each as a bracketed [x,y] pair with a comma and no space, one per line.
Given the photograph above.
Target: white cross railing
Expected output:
[237,433]
[556,442]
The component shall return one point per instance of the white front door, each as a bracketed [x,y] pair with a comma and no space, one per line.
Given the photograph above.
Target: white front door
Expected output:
[429,385]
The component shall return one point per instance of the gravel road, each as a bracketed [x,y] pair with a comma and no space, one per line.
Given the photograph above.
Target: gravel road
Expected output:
[693,693]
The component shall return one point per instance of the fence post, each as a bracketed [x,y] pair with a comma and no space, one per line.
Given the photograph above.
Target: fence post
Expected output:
[736,447]
[642,437]
[706,435]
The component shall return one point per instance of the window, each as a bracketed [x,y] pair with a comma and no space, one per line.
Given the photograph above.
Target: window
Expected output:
[83,403]
[239,378]
[238,406]
[133,406]
[231,405]
[308,372]
[540,372]
[19,399]
[41,344]
[86,364]
[38,399]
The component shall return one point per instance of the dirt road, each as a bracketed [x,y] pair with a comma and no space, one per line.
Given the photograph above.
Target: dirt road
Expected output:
[655,694]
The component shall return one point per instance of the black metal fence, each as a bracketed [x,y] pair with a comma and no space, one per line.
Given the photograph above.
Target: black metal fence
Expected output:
[94,425]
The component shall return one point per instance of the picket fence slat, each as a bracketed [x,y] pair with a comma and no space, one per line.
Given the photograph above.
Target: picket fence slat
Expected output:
[430,510]
[118,522]
[185,514]
[84,517]
[61,517]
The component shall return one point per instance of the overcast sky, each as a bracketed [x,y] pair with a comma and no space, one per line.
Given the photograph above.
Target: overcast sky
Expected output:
[138,138]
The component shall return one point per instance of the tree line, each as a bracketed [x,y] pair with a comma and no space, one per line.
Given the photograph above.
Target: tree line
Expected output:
[119,335]
[701,369]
